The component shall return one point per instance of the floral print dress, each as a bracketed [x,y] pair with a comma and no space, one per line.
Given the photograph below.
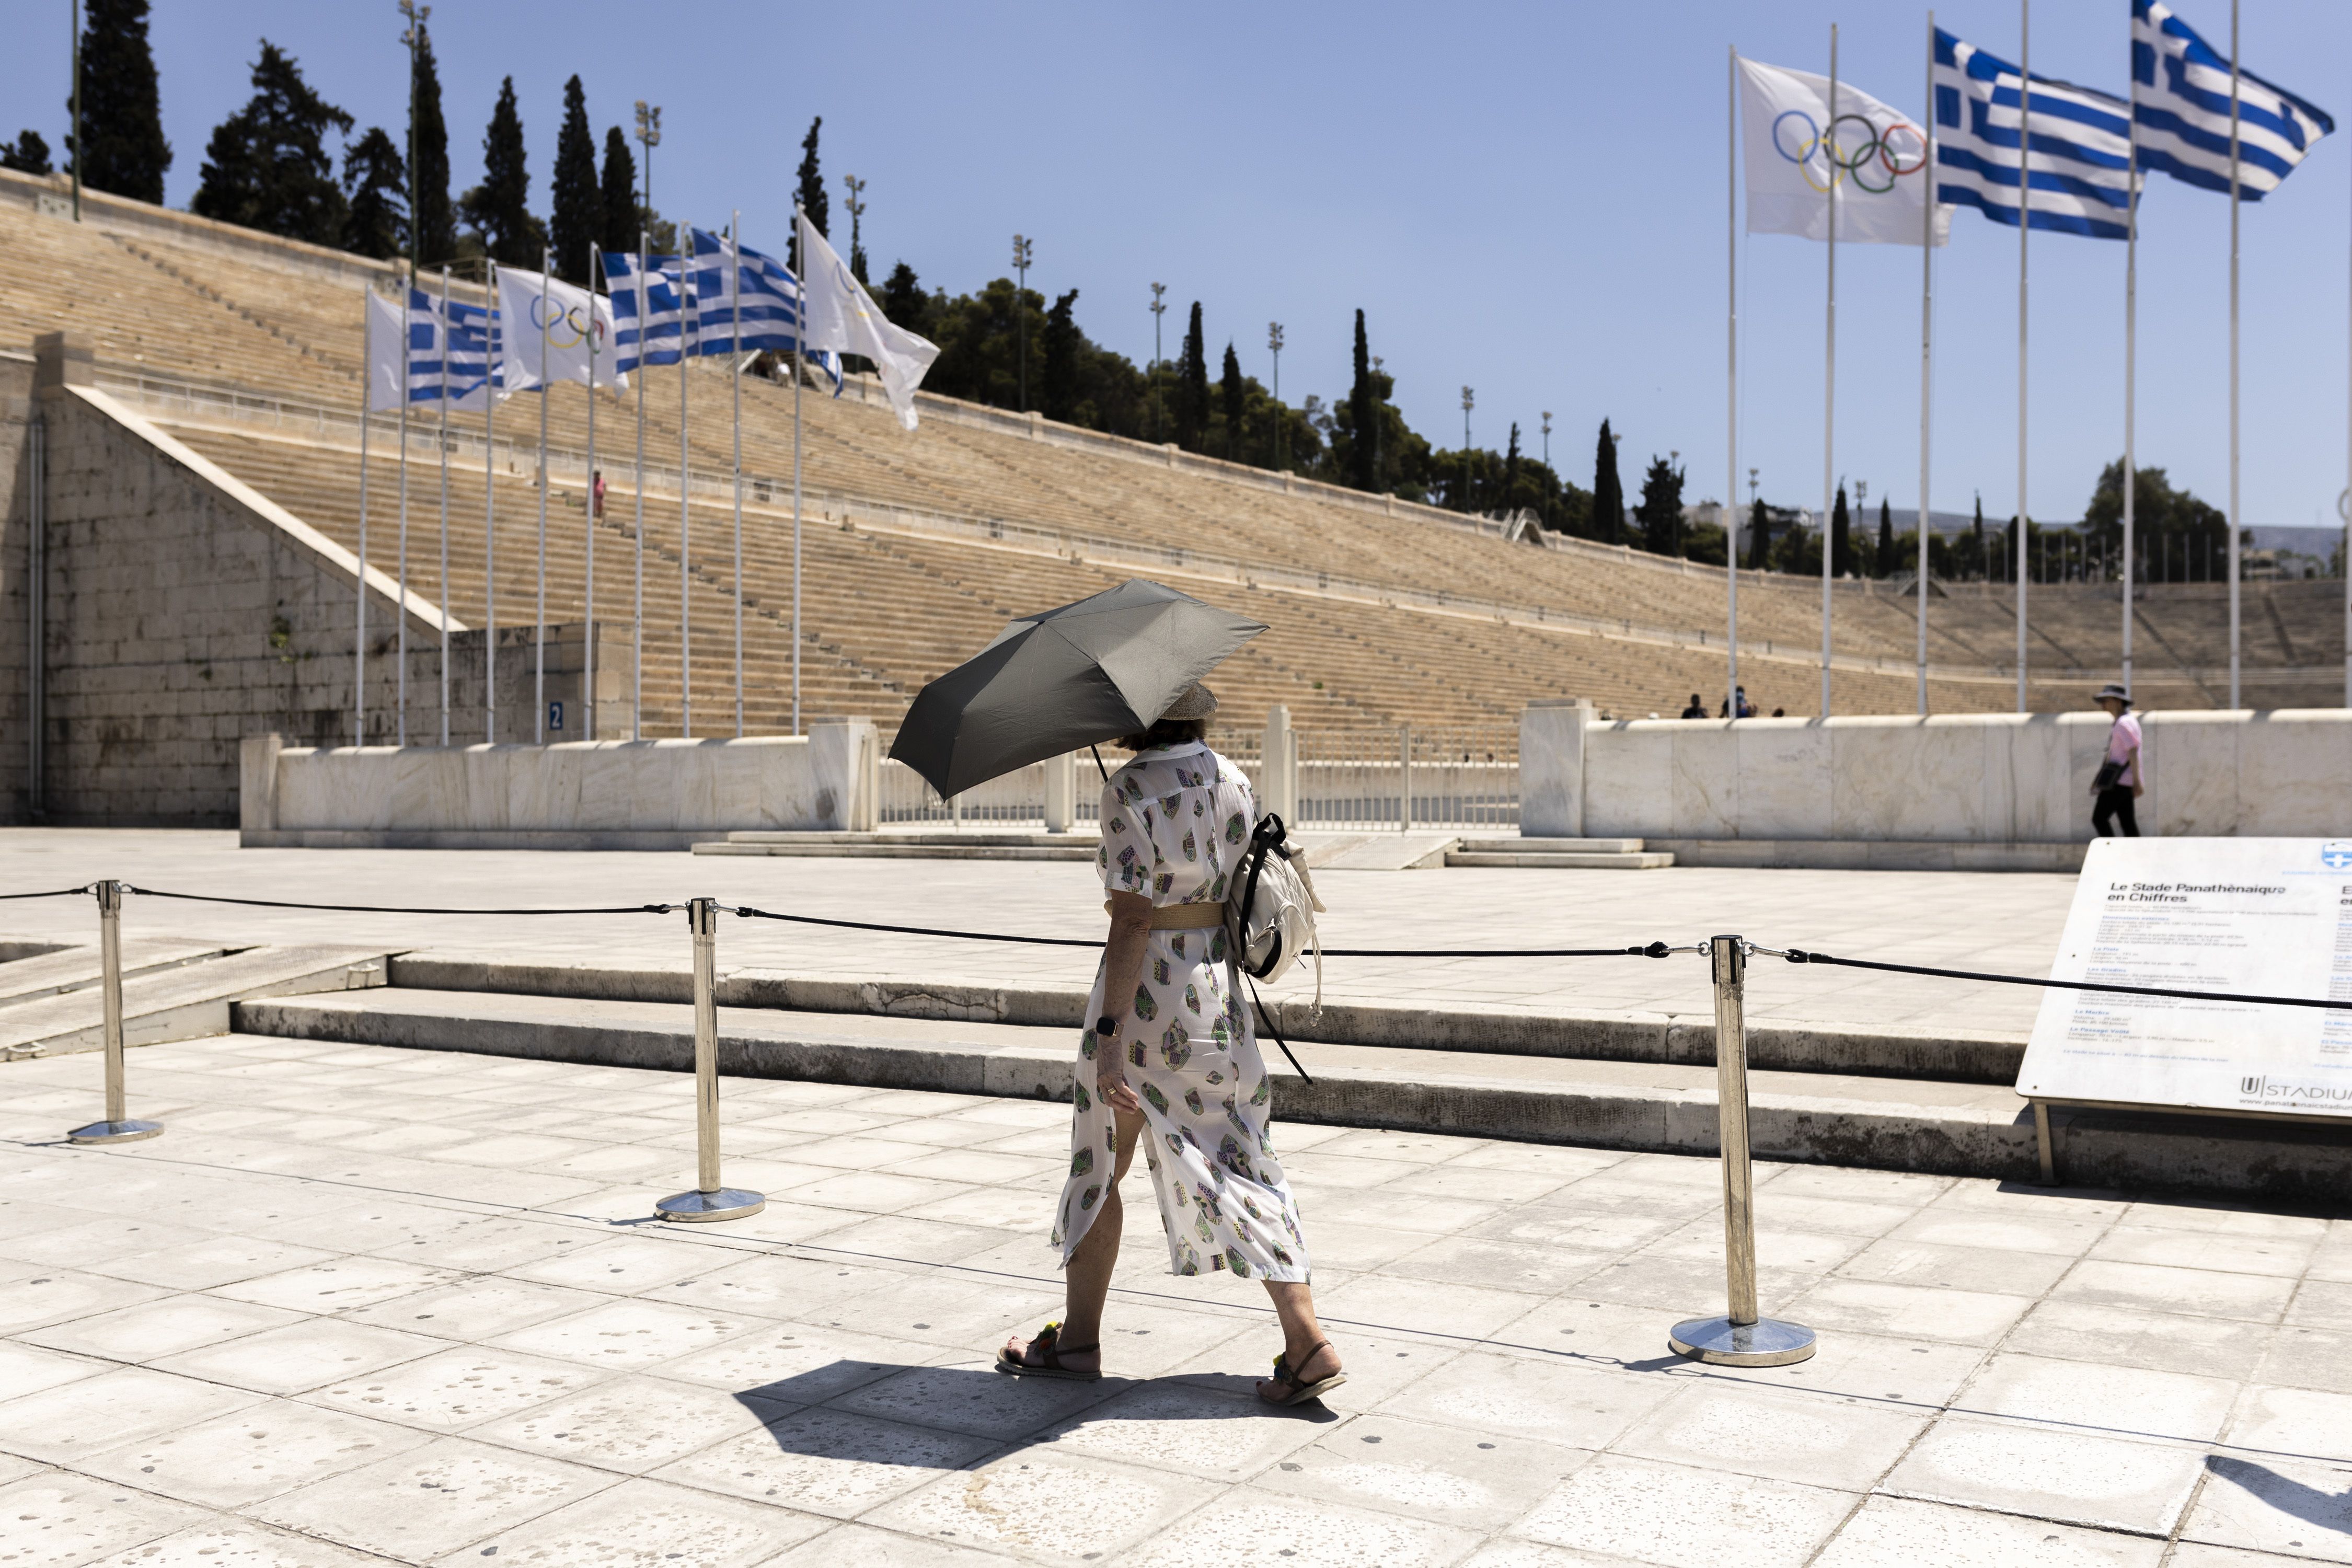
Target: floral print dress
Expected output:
[1175,824]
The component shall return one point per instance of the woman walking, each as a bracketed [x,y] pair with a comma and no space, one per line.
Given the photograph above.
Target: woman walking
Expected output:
[1171,1063]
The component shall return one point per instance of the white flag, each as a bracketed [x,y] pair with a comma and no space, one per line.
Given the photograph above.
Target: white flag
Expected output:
[1797,150]
[839,315]
[562,323]
[387,353]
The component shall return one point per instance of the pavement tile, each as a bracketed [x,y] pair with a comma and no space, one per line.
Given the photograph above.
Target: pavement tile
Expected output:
[1818,1439]
[900,1238]
[474,1309]
[796,1364]
[621,1336]
[1937,1535]
[1502,1265]
[1387,1302]
[830,1462]
[2308,1358]
[336,1287]
[300,1356]
[450,1493]
[1022,1503]
[2283,1255]
[1906,1262]
[96,1242]
[975,1398]
[61,1518]
[1682,1518]
[234,1460]
[1961,1317]
[648,1524]
[2202,1292]
[1448,1474]
[631,1424]
[165,1326]
[60,1295]
[1576,1406]
[1174,1426]
[456,1388]
[2132,1336]
[2294,1423]
[26,1371]
[238,1545]
[2116,1401]
[2057,1236]
[2062,1473]
[621,1267]
[776,1285]
[64,1423]
[861,1546]
[2292,1507]
[969,1314]
[1250,1525]
[871,1192]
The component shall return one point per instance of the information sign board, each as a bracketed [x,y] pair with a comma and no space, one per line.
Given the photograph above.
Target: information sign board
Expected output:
[2251,916]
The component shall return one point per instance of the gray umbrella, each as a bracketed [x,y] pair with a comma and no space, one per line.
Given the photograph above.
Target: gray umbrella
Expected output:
[1059,680]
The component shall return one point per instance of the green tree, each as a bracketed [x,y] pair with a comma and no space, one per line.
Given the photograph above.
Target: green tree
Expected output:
[1362,453]
[29,154]
[1608,494]
[428,138]
[1841,540]
[1512,465]
[122,108]
[374,185]
[904,302]
[1058,380]
[1976,540]
[577,218]
[1234,393]
[2177,536]
[267,165]
[1192,386]
[1798,551]
[810,190]
[1886,561]
[1661,512]
[498,209]
[1759,536]
[624,218]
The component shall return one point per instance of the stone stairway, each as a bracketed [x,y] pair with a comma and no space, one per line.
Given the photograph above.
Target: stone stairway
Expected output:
[1560,854]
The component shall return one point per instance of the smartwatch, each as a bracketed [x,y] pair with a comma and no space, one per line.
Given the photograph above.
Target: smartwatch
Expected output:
[1107,1028]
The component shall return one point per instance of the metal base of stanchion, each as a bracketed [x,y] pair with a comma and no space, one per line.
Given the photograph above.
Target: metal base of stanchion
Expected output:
[1719,1341]
[115,1132]
[727,1203]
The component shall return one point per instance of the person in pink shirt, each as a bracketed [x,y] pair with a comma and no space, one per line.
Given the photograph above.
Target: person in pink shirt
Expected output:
[2119,782]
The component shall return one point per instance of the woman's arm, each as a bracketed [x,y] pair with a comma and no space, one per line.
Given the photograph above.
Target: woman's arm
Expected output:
[1123,952]
[2139,775]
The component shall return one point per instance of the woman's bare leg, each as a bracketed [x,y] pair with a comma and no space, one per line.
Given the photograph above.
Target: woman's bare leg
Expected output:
[1306,1352]
[1087,1276]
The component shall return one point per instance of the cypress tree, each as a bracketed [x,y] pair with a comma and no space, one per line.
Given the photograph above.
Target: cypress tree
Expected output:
[1236,393]
[810,192]
[376,223]
[1660,512]
[904,302]
[435,217]
[1886,539]
[1059,388]
[622,218]
[1511,463]
[268,167]
[1976,535]
[499,208]
[1192,386]
[29,154]
[578,217]
[1608,495]
[121,111]
[1841,546]
[1364,415]
[1759,536]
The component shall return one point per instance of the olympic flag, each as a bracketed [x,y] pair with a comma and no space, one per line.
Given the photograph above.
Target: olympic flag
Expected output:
[840,316]
[1799,147]
[561,322]
[387,355]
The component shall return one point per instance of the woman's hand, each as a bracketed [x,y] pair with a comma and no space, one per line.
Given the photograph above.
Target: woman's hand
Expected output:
[1111,1086]
[1123,954]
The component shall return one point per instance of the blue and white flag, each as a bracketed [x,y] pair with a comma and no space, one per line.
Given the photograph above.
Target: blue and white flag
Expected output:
[2181,96]
[771,302]
[551,330]
[648,309]
[2079,150]
[449,356]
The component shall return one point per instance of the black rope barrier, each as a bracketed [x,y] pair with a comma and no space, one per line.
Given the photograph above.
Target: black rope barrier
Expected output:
[59,893]
[396,908]
[748,911]
[1799,955]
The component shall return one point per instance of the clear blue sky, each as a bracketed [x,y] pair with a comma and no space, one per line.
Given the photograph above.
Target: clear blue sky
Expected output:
[1528,200]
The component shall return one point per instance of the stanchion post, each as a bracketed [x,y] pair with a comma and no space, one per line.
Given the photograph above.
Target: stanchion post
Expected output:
[118,1128]
[1740,1337]
[710,1200]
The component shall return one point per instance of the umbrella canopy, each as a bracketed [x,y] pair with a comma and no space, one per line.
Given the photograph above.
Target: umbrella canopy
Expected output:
[1052,682]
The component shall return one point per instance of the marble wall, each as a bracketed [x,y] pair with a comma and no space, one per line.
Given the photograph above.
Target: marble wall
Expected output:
[1971,778]
[614,792]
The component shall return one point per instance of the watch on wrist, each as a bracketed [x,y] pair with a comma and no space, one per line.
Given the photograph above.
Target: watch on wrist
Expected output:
[1107,1028]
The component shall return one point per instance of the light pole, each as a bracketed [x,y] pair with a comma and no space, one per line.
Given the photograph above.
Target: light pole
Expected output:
[1273,342]
[1550,478]
[77,109]
[1377,423]
[1159,309]
[1468,399]
[412,35]
[1022,249]
[649,137]
[857,205]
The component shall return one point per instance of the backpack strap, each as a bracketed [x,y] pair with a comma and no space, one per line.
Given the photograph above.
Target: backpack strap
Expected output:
[1267,1018]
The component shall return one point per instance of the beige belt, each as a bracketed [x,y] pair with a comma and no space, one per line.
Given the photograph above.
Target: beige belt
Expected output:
[1184,917]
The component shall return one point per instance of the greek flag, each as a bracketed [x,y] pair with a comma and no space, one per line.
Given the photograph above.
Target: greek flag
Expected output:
[649,314]
[2079,151]
[770,303]
[2181,96]
[457,346]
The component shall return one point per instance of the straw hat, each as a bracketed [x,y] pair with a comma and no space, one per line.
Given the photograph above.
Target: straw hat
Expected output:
[1195,701]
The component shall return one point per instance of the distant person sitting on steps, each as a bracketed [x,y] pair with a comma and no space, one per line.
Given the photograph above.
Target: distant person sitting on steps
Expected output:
[1697,710]
[2118,782]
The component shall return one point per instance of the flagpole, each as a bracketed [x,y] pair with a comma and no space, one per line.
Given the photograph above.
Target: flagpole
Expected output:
[1731,384]
[685,570]
[2131,360]
[441,327]
[367,411]
[2233,354]
[800,356]
[494,376]
[539,636]
[1926,353]
[2025,228]
[638,628]
[2345,561]
[735,294]
[1828,376]
[400,732]
[588,594]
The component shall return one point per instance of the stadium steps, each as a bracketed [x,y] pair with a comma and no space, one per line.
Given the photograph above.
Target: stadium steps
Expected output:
[1560,854]
[172,990]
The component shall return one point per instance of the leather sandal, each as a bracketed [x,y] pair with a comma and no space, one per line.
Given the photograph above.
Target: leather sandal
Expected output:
[1298,1392]
[1049,1351]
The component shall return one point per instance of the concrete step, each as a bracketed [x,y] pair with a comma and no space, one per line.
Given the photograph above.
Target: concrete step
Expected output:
[75,966]
[1603,860]
[908,847]
[1516,843]
[1895,1125]
[184,1000]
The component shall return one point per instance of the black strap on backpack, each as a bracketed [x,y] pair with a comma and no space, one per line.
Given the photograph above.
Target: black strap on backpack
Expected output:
[1270,1029]
[1267,838]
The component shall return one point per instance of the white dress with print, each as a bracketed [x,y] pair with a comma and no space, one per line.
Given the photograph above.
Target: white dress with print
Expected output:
[1175,826]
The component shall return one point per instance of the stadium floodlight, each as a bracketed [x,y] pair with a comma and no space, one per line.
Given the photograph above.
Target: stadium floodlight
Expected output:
[1023,248]
[1273,342]
[649,137]
[1469,401]
[77,109]
[857,205]
[1159,309]
[412,36]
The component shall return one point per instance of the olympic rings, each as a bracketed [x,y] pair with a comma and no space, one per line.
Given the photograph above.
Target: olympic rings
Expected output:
[1875,154]
[569,327]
